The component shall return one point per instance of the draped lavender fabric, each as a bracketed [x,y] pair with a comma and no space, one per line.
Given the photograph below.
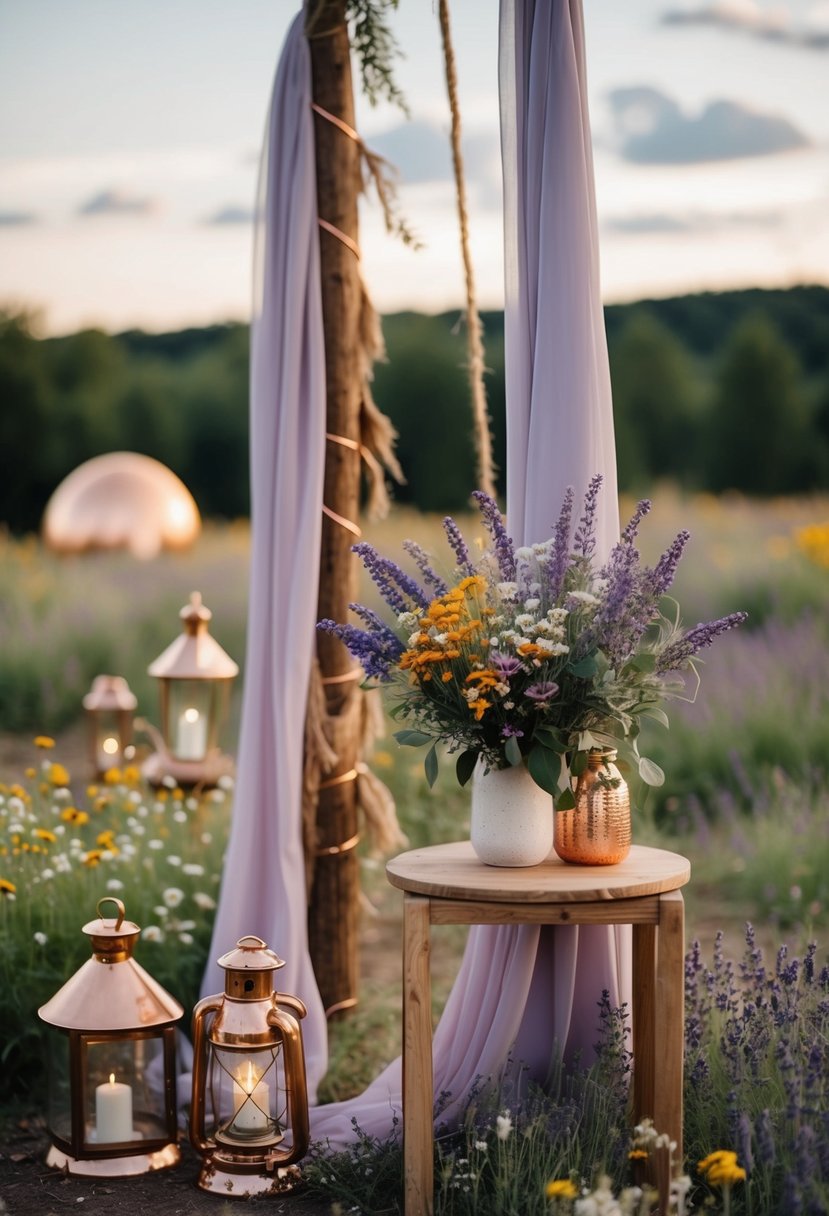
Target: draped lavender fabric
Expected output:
[263,890]
[523,993]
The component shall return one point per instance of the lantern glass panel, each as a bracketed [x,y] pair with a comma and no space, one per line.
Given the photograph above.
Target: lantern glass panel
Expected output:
[109,745]
[247,1095]
[59,1107]
[193,718]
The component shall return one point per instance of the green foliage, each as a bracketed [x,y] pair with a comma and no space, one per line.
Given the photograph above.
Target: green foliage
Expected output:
[375,47]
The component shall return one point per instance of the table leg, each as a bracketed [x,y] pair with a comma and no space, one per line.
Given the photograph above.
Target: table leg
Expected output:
[669,1043]
[644,1020]
[418,1084]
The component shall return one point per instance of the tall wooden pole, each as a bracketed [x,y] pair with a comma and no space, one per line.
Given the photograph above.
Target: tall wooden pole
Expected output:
[334,895]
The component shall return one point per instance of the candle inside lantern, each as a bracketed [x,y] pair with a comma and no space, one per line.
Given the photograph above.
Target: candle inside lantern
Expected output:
[113,1112]
[191,735]
[251,1100]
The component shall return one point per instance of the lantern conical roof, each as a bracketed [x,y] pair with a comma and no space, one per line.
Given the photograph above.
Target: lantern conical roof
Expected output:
[194,655]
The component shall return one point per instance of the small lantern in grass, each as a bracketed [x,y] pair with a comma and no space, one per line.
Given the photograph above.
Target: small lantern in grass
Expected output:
[249,1111]
[194,675]
[112,1099]
[110,706]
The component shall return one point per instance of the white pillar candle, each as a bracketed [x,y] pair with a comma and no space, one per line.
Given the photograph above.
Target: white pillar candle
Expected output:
[250,1116]
[113,1112]
[191,735]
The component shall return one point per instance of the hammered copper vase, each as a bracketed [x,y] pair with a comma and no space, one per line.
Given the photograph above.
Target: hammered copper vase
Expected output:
[597,831]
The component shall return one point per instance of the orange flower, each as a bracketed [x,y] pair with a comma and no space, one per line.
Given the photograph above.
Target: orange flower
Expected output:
[7,887]
[44,741]
[112,776]
[72,815]
[45,834]
[480,706]
[93,857]
[58,775]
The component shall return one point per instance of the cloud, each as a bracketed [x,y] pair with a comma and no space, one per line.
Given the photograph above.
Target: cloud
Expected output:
[17,219]
[746,17]
[232,214]
[652,129]
[693,223]
[116,202]
[421,152]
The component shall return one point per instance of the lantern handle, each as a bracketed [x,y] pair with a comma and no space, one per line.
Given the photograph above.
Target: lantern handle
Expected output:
[110,899]
[251,942]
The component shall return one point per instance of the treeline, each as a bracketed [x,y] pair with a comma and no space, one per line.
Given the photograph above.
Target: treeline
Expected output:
[716,392]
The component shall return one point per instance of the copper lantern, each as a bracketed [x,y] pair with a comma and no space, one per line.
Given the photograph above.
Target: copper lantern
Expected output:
[249,1113]
[112,1099]
[110,705]
[194,675]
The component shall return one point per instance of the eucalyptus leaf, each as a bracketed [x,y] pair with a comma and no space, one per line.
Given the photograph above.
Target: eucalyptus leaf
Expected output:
[643,662]
[465,765]
[512,751]
[566,800]
[650,773]
[412,738]
[545,768]
[585,668]
[549,737]
[578,764]
[430,765]
[658,714]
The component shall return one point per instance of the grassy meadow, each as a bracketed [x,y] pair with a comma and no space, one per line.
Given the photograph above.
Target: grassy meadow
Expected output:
[746,798]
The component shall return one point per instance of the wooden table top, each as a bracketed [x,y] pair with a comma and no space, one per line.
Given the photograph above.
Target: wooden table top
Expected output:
[453,871]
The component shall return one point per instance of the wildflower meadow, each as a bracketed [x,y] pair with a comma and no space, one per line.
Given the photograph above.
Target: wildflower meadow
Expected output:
[746,798]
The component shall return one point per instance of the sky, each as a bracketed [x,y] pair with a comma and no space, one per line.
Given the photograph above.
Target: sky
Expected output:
[130,136]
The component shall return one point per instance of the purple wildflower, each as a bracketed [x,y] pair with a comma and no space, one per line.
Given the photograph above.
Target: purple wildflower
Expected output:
[557,567]
[421,559]
[378,626]
[511,732]
[585,538]
[396,587]
[677,655]
[542,691]
[632,528]
[663,572]
[505,664]
[494,523]
[376,656]
[457,544]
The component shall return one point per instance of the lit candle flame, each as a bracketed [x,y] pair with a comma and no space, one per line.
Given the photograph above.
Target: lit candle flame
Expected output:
[110,746]
[191,715]
[112,1078]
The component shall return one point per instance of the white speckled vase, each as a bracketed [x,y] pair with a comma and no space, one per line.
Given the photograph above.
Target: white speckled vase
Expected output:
[512,817]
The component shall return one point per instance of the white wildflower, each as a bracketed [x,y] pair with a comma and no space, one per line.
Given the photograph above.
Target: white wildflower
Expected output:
[152,933]
[159,807]
[155,845]
[508,591]
[47,874]
[180,816]
[142,812]
[168,782]
[161,911]
[139,830]
[62,794]
[114,884]
[503,1126]
[174,860]
[523,553]
[16,826]
[582,597]
[532,604]
[481,1146]
[134,796]
[186,938]
[206,838]
[40,938]
[172,896]
[414,638]
[204,901]
[192,804]
[407,620]
[524,621]
[193,869]
[216,796]
[225,782]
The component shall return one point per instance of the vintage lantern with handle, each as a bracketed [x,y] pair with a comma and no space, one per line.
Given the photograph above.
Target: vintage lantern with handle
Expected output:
[249,1112]
[110,705]
[112,1077]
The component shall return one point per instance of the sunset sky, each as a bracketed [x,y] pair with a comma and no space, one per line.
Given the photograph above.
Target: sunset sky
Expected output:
[130,134]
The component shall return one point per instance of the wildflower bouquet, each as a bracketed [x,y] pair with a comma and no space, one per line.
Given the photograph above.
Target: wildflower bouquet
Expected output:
[532,654]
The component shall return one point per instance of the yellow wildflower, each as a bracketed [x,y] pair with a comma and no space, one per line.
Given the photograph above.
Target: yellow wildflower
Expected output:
[17,791]
[58,775]
[472,582]
[31,772]
[45,834]
[44,741]
[93,857]
[132,774]
[7,887]
[480,706]
[637,1154]
[101,803]
[112,776]
[721,1169]
[72,815]
[446,677]
[91,791]
[104,839]
[814,542]
[484,679]
[561,1188]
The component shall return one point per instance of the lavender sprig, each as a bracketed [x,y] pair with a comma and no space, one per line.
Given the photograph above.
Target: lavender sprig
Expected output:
[677,655]
[396,587]
[375,654]
[557,566]
[665,569]
[421,559]
[584,542]
[458,545]
[631,529]
[494,523]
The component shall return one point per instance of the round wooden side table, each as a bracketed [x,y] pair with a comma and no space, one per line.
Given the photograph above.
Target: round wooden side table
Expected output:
[446,884]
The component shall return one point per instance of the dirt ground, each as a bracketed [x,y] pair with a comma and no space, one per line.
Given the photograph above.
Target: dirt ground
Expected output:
[28,1187]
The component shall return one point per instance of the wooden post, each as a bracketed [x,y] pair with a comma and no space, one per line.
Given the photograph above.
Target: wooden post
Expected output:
[334,892]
